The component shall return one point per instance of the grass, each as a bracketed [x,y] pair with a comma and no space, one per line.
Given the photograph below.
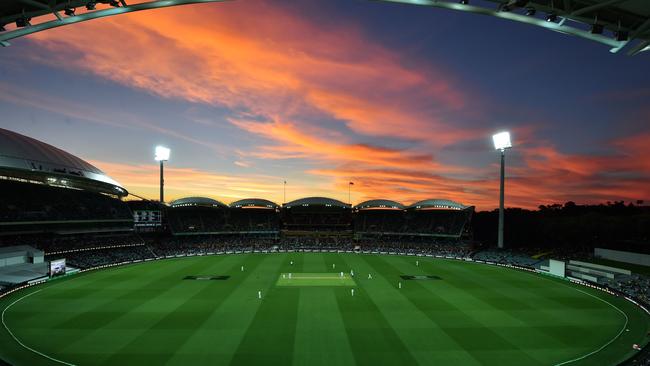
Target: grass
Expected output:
[473,315]
[315,279]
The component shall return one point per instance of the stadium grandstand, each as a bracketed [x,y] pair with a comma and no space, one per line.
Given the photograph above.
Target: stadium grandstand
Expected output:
[437,217]
[44,189]
[379,216]
[47,191]
[254,216]
[197,215]
[316,214]
[433,217]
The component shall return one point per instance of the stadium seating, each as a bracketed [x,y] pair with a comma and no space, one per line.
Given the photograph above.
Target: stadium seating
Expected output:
[31,202]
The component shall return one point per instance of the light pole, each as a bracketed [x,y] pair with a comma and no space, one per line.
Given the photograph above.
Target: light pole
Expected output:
[350,184]
[502,142]
[285,192]
[162,155]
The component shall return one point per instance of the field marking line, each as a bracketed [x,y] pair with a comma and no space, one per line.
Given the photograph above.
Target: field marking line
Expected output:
[627,320]
[18,340]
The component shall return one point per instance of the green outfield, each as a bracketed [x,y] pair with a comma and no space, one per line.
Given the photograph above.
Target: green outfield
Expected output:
[445,313]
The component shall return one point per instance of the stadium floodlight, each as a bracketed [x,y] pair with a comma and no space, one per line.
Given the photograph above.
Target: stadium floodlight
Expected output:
[162,155]
[502,142]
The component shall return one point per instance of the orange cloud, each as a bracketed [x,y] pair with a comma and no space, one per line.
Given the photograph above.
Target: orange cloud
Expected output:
[143,180]
[282,67]
[292,142]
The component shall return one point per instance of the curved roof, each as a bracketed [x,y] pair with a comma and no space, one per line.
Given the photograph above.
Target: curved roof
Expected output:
[316,201]
[379,204]
[196,201]
[440,204]
[34,158]
[254,203]
[572,17]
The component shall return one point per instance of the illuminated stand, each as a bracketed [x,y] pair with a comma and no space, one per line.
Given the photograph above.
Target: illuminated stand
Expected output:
[502,143]
[162,155]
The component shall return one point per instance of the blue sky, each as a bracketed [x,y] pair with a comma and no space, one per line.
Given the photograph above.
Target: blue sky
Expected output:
[399,99]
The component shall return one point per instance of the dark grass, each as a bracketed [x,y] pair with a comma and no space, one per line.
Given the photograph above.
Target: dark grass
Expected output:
[473,315]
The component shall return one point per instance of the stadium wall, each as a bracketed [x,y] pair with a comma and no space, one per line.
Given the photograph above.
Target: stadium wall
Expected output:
[620,256]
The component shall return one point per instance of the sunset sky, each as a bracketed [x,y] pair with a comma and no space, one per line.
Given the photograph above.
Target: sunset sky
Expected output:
[401,100]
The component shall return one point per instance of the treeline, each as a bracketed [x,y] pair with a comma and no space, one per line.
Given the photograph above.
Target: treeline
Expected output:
[614,225]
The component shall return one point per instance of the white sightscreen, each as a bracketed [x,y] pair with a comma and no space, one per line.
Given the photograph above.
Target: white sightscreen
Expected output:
[556,267]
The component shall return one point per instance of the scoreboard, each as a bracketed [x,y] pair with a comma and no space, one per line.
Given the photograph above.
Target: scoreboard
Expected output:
[147,218]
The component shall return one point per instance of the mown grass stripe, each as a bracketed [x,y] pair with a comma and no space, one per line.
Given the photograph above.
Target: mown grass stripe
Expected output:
[230,316]
[388,342]
[184,315]
[256,347]
[321,338]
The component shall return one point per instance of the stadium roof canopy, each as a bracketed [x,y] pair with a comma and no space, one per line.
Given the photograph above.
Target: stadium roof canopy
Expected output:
[379,205]
[26,159]
[437,204]
[254,203]
[197,201]
[316,201]
[618,22]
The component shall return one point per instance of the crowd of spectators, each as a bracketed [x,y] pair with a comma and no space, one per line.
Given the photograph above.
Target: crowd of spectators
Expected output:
[194,245]
[445,222]
[246,220]
[506,257]
[417,246]
[101,257]
[636,286]
[32,202]
[80,243]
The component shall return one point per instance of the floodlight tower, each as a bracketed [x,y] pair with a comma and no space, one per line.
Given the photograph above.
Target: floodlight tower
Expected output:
[502,142]
[162,155]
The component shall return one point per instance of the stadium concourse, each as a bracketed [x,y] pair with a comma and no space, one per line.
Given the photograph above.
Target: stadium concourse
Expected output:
[70,212]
